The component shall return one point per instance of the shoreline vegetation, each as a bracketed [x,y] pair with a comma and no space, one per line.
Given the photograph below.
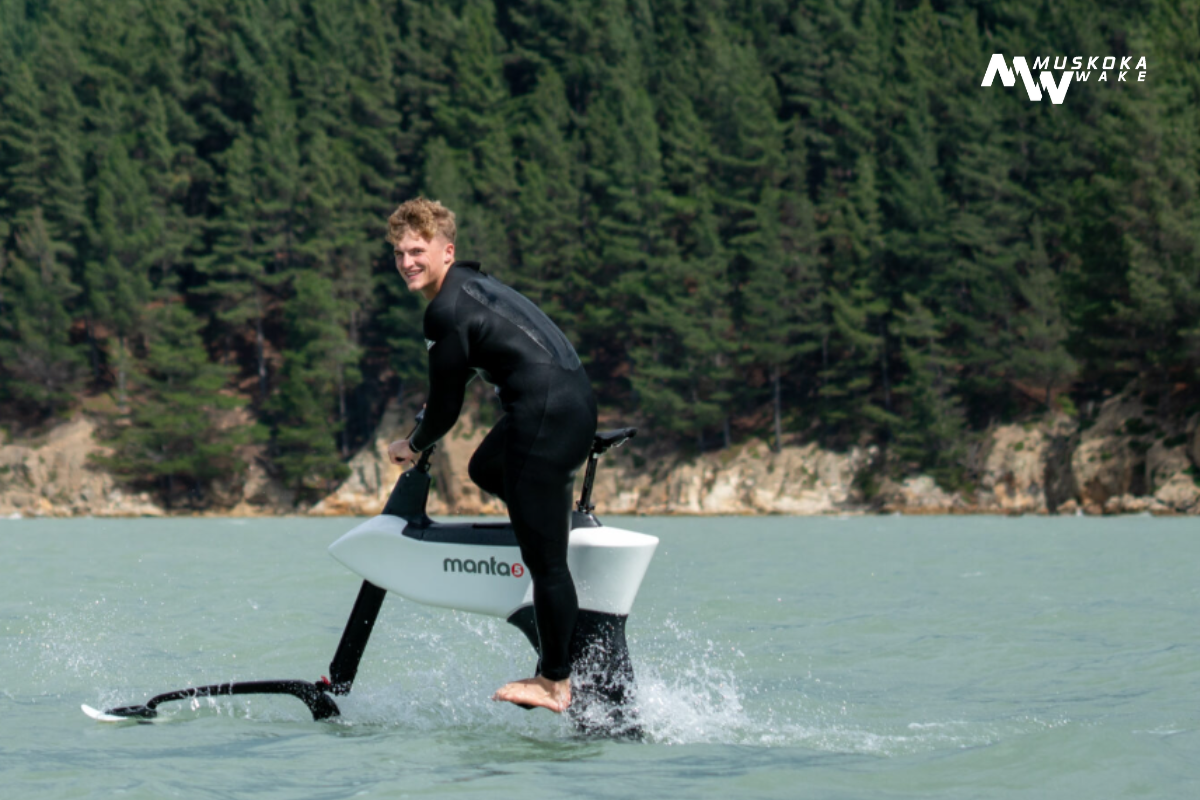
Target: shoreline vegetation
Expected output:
[1121,461]
[798,244]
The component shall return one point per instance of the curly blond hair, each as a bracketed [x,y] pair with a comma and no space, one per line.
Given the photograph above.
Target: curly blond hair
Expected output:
[426,218]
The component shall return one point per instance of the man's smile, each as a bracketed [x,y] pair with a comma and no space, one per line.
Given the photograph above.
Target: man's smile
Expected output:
[422,263]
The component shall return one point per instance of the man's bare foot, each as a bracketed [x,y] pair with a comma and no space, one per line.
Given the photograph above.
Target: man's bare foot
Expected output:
[538,691]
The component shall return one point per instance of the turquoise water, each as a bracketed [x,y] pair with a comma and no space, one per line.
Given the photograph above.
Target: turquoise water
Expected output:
[888,657]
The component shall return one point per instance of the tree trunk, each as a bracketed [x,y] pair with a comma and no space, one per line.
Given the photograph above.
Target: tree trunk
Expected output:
[93,348]
[887,385]
[170,483]
[259,350]
[778,379]
[122,376]
[341,387]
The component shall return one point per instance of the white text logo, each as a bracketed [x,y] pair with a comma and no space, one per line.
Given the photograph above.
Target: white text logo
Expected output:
[1078,71]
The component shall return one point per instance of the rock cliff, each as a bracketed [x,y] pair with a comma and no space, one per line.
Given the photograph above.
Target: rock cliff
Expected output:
[53,478]
[1120,460]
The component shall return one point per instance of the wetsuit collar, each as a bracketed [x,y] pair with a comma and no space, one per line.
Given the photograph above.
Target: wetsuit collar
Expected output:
[468,264]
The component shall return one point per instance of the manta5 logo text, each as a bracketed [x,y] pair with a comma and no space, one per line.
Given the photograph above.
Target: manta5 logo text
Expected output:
[483,567]
[1082,68]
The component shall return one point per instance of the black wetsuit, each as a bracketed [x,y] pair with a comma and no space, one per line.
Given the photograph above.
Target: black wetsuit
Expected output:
[476,324]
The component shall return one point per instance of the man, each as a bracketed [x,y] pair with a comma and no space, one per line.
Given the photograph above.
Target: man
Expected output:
[476,325]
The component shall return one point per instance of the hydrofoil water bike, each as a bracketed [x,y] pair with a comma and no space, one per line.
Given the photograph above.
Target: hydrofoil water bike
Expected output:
[475,567]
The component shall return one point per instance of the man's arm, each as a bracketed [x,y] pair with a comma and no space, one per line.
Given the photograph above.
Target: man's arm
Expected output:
[448,378]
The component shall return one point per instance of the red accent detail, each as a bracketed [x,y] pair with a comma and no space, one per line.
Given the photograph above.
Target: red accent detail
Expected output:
[517,570]
[326,681]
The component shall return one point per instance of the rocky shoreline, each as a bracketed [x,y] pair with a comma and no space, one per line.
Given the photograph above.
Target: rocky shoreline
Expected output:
[1122,459]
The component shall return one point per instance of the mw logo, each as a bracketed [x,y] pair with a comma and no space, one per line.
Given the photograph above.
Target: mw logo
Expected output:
[1078,71]
[999,66]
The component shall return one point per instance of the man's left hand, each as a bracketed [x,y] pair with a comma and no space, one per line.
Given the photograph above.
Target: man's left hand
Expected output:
[401,452]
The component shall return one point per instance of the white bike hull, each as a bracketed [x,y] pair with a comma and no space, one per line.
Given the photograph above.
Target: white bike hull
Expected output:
[607,564]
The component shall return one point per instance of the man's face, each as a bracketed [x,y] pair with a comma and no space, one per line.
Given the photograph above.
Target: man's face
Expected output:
[423,263]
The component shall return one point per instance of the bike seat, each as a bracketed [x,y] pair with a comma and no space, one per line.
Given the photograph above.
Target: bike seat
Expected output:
[614,438]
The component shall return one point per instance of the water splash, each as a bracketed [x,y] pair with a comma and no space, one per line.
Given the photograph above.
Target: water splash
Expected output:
[433,671]
[688,689]
[76,644]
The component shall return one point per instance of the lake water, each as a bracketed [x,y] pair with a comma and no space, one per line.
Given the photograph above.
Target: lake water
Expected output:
[866,657]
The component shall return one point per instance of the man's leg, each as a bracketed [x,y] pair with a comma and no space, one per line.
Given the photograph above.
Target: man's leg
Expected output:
[486,467]
[545,446]
[553,590]
[540,512]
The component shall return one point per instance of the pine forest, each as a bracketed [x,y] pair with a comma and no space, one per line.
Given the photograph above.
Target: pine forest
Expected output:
[797,220]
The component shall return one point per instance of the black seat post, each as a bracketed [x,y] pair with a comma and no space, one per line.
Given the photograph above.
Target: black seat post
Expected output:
[603,441]
[585,499]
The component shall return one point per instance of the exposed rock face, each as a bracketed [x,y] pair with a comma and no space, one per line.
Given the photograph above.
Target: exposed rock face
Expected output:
[1128,504]
[918,494]
[1024,470]
[453,491]
[55,479]
[261,494]
[1014,470]
[1110,460]
[751,480]
[1169,478]
[754,480]
[1059,481]
[372,475]
[1120,464]
[1126,461]
[1131,462]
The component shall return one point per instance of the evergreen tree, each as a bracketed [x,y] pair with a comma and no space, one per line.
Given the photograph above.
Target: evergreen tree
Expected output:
[318,354]
[749,171]
[60,162]
[175,437]
[930,434]
[549,240]
[117,275]
[853,355]
[462,99]
[20,146]
[624,233]
[41,366]
[799,59]
[801,294]
[343,68]
[238,280]
[1151,190]
[398,325]
[334,246]
[851,115]
[169,170]
[986,211]
[1039,356]
[275,176]
[809,207]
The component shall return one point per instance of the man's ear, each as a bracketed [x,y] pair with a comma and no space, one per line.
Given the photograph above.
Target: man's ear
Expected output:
[449,257]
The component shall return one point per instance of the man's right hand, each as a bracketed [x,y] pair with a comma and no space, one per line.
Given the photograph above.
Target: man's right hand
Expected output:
[401,452]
